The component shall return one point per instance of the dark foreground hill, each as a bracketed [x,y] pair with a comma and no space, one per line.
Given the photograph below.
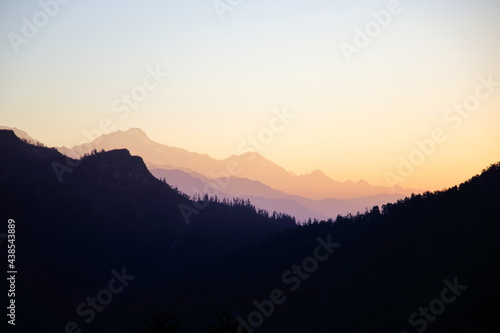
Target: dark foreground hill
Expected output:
[107,213]
[111,232]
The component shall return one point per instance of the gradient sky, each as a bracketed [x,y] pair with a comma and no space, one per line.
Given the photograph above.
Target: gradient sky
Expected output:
[353,120]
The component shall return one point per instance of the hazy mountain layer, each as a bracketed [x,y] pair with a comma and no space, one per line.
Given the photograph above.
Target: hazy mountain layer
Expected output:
[252,166]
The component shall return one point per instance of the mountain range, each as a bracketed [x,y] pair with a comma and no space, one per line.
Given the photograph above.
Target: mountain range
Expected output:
[428,262]
[253,166]
[267,184]
[265,197]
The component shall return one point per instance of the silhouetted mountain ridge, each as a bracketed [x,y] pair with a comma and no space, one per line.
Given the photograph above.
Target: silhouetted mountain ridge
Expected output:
[20,133]
[109,213]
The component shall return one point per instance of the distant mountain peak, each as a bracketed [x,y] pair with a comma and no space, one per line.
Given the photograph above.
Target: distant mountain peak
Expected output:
[250,155]
[316,174]
[135,130]
[114,140]
[133,133]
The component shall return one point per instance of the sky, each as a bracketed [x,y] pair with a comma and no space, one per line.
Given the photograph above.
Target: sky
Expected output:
[233,65]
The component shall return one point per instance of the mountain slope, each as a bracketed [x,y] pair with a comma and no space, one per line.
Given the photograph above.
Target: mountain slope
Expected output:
[108,213]
[391,270]
[20,133]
